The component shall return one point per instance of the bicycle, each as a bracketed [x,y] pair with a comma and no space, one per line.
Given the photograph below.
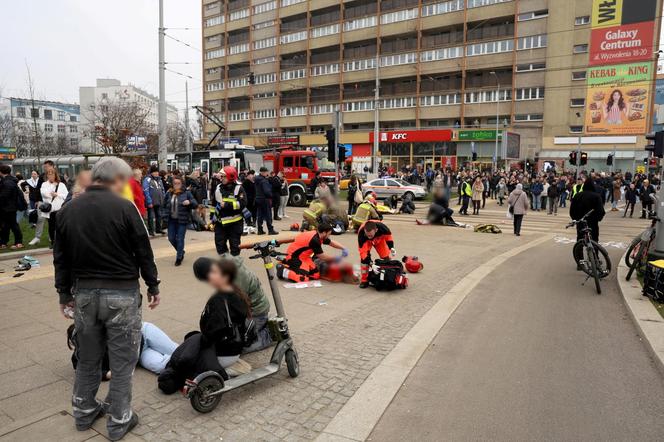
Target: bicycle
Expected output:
[636,257]
[590,256]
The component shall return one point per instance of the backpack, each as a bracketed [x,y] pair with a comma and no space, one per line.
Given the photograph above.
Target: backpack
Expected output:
[387,275]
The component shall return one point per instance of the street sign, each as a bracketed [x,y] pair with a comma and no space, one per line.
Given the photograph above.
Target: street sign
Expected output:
[477,135]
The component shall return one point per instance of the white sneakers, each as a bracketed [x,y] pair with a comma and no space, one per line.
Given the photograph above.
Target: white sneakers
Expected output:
[34,242]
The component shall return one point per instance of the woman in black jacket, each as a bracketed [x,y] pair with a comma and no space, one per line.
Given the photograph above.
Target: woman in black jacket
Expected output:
[224,320]
[178,205]
[353,186]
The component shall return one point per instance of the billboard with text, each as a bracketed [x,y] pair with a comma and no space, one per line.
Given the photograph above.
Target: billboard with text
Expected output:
[617,99]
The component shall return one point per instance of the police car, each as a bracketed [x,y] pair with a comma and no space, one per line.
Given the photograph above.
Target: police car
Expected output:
[386,187]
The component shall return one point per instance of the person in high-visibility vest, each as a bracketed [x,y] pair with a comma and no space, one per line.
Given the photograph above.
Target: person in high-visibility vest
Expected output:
[466,194]
[305,255]
[578,187]
[231,201]
[312,215]
[374,235]
[365,212]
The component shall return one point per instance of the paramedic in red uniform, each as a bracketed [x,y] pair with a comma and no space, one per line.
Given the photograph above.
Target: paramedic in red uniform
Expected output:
[373,234]
[307,247]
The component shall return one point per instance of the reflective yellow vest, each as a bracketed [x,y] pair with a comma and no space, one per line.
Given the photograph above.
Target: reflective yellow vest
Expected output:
[576,189]
[364,213]
[466,190]
[313,212]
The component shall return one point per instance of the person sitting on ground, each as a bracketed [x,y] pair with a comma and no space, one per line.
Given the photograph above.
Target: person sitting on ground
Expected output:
[366,212]
[439,211]
[224,322]
[407,205]
[315,213]
[392,202]
[377,235]
[305,254]
[336,216]
[248,282]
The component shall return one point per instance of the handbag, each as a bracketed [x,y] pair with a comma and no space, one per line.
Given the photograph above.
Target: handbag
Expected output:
[249,335]
[358,196]
[511,208]
[47,207]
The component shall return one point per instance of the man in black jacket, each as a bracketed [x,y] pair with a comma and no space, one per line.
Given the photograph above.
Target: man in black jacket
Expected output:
[582,203]
[250,189]
[9,200]
[263,202]
[102,249]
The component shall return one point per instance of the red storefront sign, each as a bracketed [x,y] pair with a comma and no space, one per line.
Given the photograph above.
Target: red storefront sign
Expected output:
[279,140]
[361,150]
[448,162]
[412,136]
[621,44]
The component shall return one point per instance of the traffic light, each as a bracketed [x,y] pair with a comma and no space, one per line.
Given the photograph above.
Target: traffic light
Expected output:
[331,138]
[645,160]
[584,158]
[342,153]
[609,160]
[474,156]
[656,145]
[252,78]
[572,158]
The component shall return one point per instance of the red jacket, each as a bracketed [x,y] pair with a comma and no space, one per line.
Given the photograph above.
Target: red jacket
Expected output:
[139,198]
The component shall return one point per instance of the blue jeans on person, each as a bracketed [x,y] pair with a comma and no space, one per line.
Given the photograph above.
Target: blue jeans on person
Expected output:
[106,319]
[157,348]
[263,340]
[176,234]
[537,202]
[563,199]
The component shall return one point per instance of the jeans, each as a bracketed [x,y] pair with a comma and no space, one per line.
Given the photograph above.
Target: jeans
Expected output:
[282,206]
[157,348]
[8,223]
[537,202]
[106,319]
[264,340]
[464,207]
[563,199]
[176,234]
[518,220]
[154,220]
[553,205]
[263,214]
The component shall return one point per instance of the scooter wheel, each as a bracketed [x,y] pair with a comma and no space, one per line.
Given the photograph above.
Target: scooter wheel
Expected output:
[292,363]
[202,399]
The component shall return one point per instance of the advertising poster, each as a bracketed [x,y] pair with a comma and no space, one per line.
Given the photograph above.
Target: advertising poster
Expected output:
[617,99]
[622,31]
[658,119]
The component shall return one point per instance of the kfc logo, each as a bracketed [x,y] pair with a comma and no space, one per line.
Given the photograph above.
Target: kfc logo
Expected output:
[399,136]
[383,136]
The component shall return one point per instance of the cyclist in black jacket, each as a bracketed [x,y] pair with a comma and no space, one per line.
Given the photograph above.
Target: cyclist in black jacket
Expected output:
[582,203]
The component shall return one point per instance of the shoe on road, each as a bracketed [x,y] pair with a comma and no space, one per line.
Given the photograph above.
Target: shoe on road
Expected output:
[34,242]
[277,218]
[273,232]
[132,424]
[261,232]
[85,427]
[364,285]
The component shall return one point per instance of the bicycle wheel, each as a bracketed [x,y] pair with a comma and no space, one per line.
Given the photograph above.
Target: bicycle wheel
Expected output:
[631,252]
[638,261]
[592,257]
[603,260]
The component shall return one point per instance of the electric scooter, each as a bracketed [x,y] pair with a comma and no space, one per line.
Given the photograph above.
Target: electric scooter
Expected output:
[205,391]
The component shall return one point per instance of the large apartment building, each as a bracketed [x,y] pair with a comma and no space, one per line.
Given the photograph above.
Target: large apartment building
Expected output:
[465,66]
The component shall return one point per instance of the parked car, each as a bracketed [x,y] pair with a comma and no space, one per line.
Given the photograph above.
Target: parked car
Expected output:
[386,187]
[343,184]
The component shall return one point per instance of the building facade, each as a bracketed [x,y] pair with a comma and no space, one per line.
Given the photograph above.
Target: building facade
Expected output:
[109,92]
[479,68]
[50,126]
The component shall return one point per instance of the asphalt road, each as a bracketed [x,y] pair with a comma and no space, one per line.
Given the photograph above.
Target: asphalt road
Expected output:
[532,355]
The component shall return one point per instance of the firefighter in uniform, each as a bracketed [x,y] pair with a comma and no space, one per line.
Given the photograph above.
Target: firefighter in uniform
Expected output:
[231,201]
[314,213]
[377,235]
[365,212]
[305,255]
[466,194]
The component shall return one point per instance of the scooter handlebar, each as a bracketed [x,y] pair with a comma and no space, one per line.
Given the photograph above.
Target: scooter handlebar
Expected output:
[273,242]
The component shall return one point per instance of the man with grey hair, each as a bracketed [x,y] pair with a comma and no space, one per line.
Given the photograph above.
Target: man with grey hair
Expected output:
[102,249]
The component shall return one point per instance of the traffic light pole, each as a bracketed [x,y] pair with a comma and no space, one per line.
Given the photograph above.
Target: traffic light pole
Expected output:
[578,158]
[337,128]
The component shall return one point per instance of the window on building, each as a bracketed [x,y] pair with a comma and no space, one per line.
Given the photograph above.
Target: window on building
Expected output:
[73,142]
[581,49]
[48,127]
[34,112]
[532,42]
[62,129]
[104,96]
[533,15]
[73,118]
[530,93]
[73,129]
[577,102]
[530,67]
[48,114]
[20,112]
[578,75]
[583,20]
[62,116]
[576,129]
[529,117]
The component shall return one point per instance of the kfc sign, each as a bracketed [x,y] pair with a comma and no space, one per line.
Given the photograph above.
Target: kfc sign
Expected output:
[412,136]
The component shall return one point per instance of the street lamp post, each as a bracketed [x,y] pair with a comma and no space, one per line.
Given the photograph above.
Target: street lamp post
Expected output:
[495,153]
[163,147]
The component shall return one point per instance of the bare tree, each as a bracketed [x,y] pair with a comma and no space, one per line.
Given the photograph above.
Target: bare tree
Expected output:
[35,140]
[113,122]
[5,130]
[176,134]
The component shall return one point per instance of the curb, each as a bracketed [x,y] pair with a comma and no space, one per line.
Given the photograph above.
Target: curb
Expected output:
[22,252]
[647,319]
[357,418]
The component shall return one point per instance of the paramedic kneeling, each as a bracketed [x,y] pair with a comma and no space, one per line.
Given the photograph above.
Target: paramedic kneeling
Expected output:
[306,252]
[377,235]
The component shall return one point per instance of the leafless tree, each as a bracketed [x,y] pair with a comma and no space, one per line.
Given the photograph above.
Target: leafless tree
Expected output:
[176,134]
[113,122]
[5,130]
[35,140]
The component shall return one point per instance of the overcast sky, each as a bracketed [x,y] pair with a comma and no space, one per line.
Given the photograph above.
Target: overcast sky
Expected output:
[71,43]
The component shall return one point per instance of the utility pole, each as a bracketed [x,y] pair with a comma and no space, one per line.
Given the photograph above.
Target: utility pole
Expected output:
[374,154]
[163,148]
[578,158]
[186,119]
[337,128]
[495,154]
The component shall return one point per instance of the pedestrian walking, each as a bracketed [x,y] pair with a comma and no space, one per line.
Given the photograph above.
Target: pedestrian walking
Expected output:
[536,190]
[179,203]
[53,194]
[101,276]
[518,203]
[501,191]
[630,199]
[154,192]
[645,193]
[617,184]
[12,201]
[263,201]
[39,227]
[552,198]
[231,201]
